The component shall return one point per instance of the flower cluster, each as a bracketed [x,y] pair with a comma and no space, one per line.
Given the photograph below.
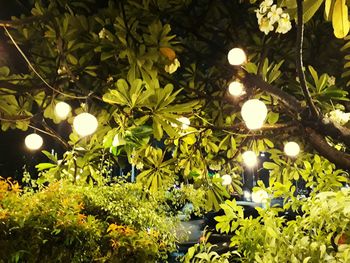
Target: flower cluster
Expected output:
[271,17]
[338,116]
[171,68]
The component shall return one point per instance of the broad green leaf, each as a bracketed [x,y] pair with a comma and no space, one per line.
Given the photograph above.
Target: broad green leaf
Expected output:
[272,117]
[72,59]
[157,129]
[270,166]
[44,166]
[310,8]
[340,19]
[313,74]
[4,71]
[328,9]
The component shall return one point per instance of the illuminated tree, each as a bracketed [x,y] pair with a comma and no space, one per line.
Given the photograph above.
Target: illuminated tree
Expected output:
[155,74]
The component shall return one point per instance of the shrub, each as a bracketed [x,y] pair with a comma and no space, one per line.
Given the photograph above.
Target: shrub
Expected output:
[70,223]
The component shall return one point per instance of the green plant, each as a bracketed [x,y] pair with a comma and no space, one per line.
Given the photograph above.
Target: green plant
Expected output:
[203,253]
[69,223]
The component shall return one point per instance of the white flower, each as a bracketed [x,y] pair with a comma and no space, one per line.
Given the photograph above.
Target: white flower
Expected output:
[284,24]
[109,79]
[265,5]
[259,16]
[139,166]
[172,67]
[61,70]
[339,116]
[331,81]
[274,14]
[265,26]
[185,122]
[102,33]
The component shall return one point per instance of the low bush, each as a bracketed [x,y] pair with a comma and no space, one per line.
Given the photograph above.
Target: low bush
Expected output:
[70,223]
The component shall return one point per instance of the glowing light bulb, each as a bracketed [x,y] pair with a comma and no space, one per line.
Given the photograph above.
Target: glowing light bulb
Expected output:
[85,124]
[291,149]
[236,56]
[249,158]
[260,196]
[247,195]
[33,141]
[185,122]
[62,110]
[254,113]
[236,88]
[226,179]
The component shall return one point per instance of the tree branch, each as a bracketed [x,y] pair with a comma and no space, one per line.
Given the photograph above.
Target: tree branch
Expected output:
[241,126]
[299,61]
[340,159]
[251,81]
[22,21]
[319,128]
[36,72]
[55,135]
[14,118]
[19,88]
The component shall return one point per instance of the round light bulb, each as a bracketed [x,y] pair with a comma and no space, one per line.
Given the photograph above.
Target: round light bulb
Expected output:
[33,141]
[291,149]
[236,88]
[85,124]
[260,196]
[249,158]
[62,110]
[226,179]
[254,113]
[236,56]
[185,122]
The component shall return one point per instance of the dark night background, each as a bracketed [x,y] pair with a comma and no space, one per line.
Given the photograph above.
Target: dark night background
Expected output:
[13,153]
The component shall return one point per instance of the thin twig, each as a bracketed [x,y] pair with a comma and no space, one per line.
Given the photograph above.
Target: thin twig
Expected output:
[15,118]
[55,134]
[22,21]
[36,72]
[299,61]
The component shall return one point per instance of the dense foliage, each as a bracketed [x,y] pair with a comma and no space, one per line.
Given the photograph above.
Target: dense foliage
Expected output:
[304,229]
[70,223]
[142,66]
[155,75]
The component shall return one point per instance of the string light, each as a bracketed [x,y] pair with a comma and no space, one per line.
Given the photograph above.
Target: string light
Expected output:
[291,149]
[62,110]
[236,56]
[33,141]
[85,124]
[254,113]
[249,158]
[226,179]
[236,88]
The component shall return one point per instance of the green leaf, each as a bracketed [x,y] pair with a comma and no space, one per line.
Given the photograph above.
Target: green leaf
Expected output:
[44,166]
[272,117]
[313,74]
[310,8]
[328,9]
[157,129]
[4,71]
[71,59]
[340,19]
[270,166]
